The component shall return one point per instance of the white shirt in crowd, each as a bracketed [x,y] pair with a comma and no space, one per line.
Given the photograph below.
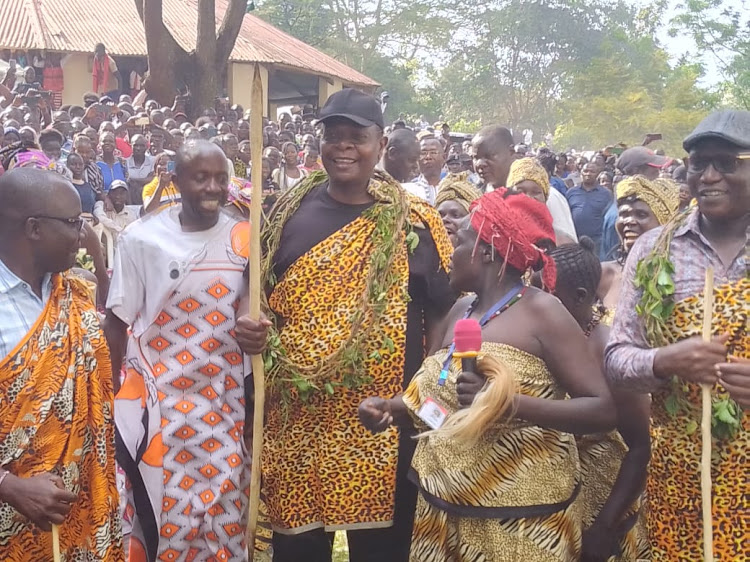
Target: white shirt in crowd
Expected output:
[136,172]
[113,221]
[421,188]
[562,220]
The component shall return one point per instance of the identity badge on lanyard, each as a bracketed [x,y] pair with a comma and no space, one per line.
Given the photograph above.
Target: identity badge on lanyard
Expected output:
[432,413]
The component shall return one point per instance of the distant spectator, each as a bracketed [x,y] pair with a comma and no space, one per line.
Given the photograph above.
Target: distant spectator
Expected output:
[289,174]
[588,204]
[106,76]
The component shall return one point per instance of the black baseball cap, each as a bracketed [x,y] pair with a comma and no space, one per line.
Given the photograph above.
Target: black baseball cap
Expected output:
[637,156]
[730,125]
[363,109]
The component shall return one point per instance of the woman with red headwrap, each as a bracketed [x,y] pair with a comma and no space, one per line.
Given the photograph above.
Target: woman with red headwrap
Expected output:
[495,484]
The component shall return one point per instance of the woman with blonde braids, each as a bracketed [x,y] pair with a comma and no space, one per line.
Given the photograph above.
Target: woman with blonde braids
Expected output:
[455,194]
[642,205]
[530,177]
[502,484]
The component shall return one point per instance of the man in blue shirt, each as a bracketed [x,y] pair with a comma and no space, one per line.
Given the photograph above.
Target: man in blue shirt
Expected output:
[588,204]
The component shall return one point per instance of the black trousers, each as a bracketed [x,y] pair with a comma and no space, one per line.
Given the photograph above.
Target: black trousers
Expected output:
[368,545]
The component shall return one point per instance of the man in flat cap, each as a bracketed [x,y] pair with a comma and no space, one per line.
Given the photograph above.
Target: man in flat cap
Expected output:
[660,350]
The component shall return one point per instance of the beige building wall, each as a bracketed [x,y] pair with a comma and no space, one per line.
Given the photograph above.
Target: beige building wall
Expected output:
[326,88]
[77,78]
[240,78]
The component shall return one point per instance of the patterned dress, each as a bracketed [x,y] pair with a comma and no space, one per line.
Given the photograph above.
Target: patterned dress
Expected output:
[181,410]
[673,490]
[601,457]
[56,416]
[509,497]
[674,496]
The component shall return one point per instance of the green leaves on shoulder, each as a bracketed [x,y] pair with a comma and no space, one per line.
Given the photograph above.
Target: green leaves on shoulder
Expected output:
[654,278]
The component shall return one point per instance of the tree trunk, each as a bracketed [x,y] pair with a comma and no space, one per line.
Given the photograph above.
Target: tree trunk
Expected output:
[204,81]
[165,56]
[171,67]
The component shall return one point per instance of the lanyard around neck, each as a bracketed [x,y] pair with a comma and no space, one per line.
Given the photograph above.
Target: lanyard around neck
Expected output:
[507,300]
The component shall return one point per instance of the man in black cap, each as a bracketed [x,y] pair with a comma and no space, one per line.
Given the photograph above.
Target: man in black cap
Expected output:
[357,282]
[642,161]
[665,354]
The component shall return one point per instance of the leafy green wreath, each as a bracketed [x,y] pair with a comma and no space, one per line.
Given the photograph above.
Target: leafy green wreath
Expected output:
[345,367]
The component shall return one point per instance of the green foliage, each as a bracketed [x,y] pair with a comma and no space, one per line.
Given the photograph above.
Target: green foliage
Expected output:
[631,89]
[721,29]
[589,70]
[345,367]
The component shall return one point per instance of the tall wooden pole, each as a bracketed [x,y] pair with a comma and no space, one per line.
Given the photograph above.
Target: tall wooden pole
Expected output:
[256,177]
[708,529]
[55,543]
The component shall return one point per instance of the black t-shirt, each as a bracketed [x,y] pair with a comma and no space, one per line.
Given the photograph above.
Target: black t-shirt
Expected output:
[319,216]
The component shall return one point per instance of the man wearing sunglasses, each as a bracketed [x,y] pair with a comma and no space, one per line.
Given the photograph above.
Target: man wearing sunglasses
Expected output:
[664,354]
[56,399]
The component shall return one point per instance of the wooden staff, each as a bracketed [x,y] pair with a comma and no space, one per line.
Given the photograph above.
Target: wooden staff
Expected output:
[256,177]
[55,543]
[708,530]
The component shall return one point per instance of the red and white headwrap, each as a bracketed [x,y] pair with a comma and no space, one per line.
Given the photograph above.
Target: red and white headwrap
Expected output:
[513,225]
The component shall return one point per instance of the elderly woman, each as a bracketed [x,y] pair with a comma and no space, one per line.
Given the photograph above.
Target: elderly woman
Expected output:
[642,205]
[455,195]
[529,176]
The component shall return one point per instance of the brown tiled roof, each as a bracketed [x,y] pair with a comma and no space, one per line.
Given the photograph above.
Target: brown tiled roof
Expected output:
[78,25]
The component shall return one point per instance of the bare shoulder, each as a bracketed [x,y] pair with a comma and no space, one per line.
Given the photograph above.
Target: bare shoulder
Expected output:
[611,272]
[542,301]
[546,313]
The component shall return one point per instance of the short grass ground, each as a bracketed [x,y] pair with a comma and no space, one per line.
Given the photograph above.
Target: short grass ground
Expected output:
[340,550]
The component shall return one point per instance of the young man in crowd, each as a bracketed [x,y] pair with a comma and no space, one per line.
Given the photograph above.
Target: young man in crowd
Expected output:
[178,284]
[588,204]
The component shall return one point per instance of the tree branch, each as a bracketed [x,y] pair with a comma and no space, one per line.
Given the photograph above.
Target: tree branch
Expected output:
[158,38]
[230,29]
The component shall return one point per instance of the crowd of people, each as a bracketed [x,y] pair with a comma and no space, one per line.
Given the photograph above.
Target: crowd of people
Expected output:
[125,388]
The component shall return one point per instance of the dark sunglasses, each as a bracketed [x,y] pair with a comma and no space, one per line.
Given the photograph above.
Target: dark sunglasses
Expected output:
[722,163]
[76,223]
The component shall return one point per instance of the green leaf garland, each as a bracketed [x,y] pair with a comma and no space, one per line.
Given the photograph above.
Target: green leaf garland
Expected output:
[653,276]
[345,366]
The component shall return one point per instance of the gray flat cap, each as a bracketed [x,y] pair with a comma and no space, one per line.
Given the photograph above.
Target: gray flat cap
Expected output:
[731,125]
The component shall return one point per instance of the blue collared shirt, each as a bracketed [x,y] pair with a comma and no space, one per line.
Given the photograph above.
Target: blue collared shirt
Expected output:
[588,209]
[610,239]
[20,308]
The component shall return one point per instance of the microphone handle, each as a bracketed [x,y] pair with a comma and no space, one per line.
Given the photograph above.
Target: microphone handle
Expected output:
[469,364]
